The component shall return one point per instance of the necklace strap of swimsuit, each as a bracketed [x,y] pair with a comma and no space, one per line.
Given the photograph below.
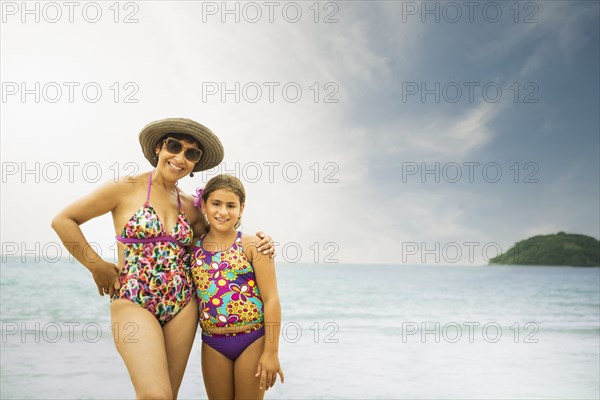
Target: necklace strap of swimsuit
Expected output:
[238,241]
[178,198]
[149,186]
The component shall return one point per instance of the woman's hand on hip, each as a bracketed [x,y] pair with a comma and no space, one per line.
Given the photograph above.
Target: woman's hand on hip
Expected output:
[106,276]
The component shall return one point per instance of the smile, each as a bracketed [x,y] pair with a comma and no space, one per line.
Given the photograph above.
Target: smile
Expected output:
[175,167]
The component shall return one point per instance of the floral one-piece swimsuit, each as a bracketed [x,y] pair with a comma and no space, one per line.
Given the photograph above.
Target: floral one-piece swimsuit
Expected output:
[156,272]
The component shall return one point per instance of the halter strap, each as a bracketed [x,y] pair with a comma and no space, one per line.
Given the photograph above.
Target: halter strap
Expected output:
[178,198]
[149,186]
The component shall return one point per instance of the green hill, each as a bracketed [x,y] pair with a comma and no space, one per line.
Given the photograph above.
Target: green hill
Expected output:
[559,249]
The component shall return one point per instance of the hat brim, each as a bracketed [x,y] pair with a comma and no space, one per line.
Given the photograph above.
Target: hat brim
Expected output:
[212,149]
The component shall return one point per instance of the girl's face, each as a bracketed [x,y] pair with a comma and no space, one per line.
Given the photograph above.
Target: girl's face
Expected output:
[175,163]
[223,210]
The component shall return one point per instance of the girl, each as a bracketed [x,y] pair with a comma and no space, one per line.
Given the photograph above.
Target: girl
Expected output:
[236,291]
[153,308]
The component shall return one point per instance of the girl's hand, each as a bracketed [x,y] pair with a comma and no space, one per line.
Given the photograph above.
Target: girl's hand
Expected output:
[268,368]
[266,245]
[106,276]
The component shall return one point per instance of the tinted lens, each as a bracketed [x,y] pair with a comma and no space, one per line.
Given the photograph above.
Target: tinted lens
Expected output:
[193,155]
[173,146]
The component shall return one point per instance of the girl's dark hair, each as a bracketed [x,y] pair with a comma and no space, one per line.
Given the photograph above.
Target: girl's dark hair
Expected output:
[225,182]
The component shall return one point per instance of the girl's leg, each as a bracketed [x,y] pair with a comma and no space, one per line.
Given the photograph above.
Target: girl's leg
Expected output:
[139,340]
[246,384]
[179,337]
[217,372]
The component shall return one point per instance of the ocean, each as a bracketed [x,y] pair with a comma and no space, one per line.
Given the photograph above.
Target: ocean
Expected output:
[349,331]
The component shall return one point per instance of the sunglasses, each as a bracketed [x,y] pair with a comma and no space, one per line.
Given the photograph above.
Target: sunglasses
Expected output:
[174,146]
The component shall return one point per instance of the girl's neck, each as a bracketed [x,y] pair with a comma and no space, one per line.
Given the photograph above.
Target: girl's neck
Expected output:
[219,241]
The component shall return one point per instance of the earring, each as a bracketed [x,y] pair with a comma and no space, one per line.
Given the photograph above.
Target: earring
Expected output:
[191,174]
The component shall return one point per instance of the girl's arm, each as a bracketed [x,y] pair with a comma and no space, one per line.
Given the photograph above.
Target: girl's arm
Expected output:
[66,224]
[264,269]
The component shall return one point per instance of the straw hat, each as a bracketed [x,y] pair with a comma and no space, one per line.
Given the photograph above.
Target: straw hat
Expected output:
[212,149]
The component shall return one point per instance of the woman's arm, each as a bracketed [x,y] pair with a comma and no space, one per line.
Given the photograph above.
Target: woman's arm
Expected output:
[264,270]
[266,244]
[66,224]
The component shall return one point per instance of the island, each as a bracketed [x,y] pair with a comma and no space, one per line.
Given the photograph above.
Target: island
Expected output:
[557,249]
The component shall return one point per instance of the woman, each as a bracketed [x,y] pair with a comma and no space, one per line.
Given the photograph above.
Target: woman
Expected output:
[153,309]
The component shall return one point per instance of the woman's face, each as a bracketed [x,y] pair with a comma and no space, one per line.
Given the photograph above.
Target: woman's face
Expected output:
[223,210]
[176,163]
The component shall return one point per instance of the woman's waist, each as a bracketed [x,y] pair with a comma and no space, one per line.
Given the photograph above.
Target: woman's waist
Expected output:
[156,251]
[156,254]
[154,239]
[155,262]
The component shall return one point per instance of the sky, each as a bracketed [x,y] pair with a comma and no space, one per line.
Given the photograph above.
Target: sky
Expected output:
[380,132]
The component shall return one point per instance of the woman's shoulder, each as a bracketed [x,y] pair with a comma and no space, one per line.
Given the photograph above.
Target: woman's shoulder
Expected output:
[130,181]
[188,202]
[186,198]
[123,185]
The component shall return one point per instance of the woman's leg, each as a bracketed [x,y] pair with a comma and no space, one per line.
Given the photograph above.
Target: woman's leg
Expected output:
[179,337]
[217,372]
[246,383]
[139,339]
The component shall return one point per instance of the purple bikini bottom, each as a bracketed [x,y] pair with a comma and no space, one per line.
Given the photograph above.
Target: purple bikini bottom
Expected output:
[232,345]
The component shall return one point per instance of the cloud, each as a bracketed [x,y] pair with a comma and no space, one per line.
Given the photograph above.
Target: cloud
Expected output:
[432,136]
[543,31]
[360,141]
